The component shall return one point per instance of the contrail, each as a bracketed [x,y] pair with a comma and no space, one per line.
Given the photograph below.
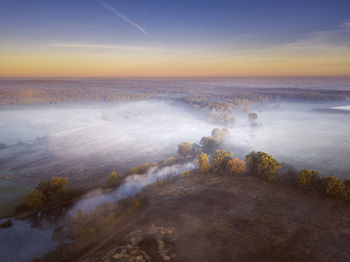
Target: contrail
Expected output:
[114,11]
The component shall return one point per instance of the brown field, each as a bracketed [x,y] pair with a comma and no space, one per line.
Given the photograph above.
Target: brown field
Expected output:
[226,219]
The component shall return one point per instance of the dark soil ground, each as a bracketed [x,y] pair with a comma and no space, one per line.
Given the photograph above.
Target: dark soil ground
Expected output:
[232,219]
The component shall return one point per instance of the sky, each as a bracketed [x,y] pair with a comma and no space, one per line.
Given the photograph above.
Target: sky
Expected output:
[174,38]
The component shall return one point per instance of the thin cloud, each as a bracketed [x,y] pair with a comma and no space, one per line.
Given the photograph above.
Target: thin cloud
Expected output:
[327,40]
[114,11]
[104,46]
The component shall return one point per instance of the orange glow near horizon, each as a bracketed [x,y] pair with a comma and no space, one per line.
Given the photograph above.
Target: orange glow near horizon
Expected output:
[173,65]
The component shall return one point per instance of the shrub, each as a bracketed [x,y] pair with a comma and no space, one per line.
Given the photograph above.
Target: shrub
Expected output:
[308,179]
[141,169]
[336,188]
[185,173]
[262,165]
[136,204]
[114,179]
[203,163]
[236,166]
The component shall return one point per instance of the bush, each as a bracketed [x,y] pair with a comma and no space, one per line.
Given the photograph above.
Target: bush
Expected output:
[336,188]
[308,179]
[141,169]
[114,179]
[220,161]
[236,167]
[262,165]
[203,164]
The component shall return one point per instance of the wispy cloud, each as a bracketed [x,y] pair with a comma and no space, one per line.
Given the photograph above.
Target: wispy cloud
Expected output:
[325,40]
[117,13]
[104,46]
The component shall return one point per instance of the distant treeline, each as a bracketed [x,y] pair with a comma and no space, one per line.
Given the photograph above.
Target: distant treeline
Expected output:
[16,92]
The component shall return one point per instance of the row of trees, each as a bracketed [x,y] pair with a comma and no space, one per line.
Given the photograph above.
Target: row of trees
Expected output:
[222,163]
[332,186]
[265,167]
[259,164]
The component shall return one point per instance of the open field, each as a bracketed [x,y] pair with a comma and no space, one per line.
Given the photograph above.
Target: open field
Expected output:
[225,219]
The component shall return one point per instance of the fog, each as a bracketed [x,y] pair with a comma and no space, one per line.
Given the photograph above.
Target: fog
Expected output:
[93,140]
[130,187]
[297,134]
[85,143]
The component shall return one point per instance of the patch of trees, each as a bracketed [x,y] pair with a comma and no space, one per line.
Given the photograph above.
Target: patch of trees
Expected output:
[49,192]
[262,165]
[330,185]
[114,179]
[265,167]
[209,144]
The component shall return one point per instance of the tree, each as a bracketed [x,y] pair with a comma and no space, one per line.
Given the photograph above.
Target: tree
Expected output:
[203,164]
[336,188]
[114,179]
[185,149]
[253,116]
[53,189]
[220,161]
[209,144]
[35,199]
[262,165]
[236,166]
[217,134]
[308,179]
[58,182]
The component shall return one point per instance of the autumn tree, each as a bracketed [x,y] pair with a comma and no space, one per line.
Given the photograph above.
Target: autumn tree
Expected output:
[220,161]
[185,149]
[35,199]
[262,165]
[336,188]
[114,179]
[53,189]
[203,164]
[236,167]
[209,144]
[308,179]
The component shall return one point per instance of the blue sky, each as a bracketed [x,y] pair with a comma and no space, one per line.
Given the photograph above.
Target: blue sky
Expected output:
[209,26]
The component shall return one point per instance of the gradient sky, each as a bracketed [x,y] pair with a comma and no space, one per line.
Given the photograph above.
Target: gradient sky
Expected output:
[174,38]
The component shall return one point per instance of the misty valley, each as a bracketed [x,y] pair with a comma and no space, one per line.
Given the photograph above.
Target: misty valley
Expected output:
[79,173]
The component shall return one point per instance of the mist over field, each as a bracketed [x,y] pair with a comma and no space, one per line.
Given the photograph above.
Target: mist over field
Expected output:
[78,141]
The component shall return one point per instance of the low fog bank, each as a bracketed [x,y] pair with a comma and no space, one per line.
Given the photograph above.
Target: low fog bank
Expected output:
[84,142]
[297,134]
[132,185]
[21,242]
